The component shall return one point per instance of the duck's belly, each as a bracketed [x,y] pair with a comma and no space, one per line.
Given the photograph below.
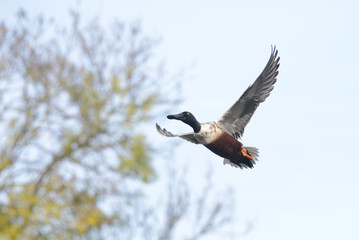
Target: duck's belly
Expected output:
[226,146]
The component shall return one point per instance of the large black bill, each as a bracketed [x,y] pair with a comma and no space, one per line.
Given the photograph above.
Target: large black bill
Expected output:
[176,116]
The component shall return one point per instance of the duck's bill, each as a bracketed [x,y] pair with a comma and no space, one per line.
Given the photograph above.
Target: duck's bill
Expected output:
[176,116]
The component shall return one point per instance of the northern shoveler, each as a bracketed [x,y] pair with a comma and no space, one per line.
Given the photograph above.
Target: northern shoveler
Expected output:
[221,136]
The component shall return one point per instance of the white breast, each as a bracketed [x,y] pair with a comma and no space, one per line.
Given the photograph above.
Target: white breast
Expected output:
[208,133]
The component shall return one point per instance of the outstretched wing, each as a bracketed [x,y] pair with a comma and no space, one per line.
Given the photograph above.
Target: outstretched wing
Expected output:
[188,136]
[235,119]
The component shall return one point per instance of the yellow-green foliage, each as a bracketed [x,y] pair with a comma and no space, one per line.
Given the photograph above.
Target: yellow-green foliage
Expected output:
[136,160]
[72,107]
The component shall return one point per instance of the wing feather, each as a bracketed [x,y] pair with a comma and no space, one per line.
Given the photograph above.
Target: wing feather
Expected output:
[188,136]
[235,119]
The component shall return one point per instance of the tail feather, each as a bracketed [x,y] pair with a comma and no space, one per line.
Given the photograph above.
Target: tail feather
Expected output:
[245,161]
[254,152]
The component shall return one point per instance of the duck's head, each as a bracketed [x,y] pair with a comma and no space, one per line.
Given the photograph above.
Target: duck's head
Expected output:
[187,118]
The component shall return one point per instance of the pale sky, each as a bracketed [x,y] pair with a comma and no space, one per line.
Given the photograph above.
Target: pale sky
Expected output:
[305,185]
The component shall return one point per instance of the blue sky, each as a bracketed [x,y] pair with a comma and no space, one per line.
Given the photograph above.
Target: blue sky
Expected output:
[306,182]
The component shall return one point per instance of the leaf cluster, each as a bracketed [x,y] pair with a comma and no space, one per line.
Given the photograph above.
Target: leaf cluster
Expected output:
[72,103]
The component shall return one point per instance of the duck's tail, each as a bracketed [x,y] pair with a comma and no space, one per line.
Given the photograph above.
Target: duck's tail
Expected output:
[249,157]
[253,152]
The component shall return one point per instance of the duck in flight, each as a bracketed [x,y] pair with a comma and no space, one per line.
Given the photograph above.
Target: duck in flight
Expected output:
[221,136]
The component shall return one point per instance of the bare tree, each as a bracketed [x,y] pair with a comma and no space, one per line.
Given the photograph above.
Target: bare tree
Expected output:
[182,213]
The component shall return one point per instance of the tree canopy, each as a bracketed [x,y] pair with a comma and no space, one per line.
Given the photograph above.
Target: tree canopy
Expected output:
[72,156]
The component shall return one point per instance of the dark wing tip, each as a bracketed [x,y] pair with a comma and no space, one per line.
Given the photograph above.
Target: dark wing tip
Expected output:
[237,117]
[163,131]
[274,49]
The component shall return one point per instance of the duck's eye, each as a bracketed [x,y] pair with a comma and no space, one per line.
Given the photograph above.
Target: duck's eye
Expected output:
[187,113]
